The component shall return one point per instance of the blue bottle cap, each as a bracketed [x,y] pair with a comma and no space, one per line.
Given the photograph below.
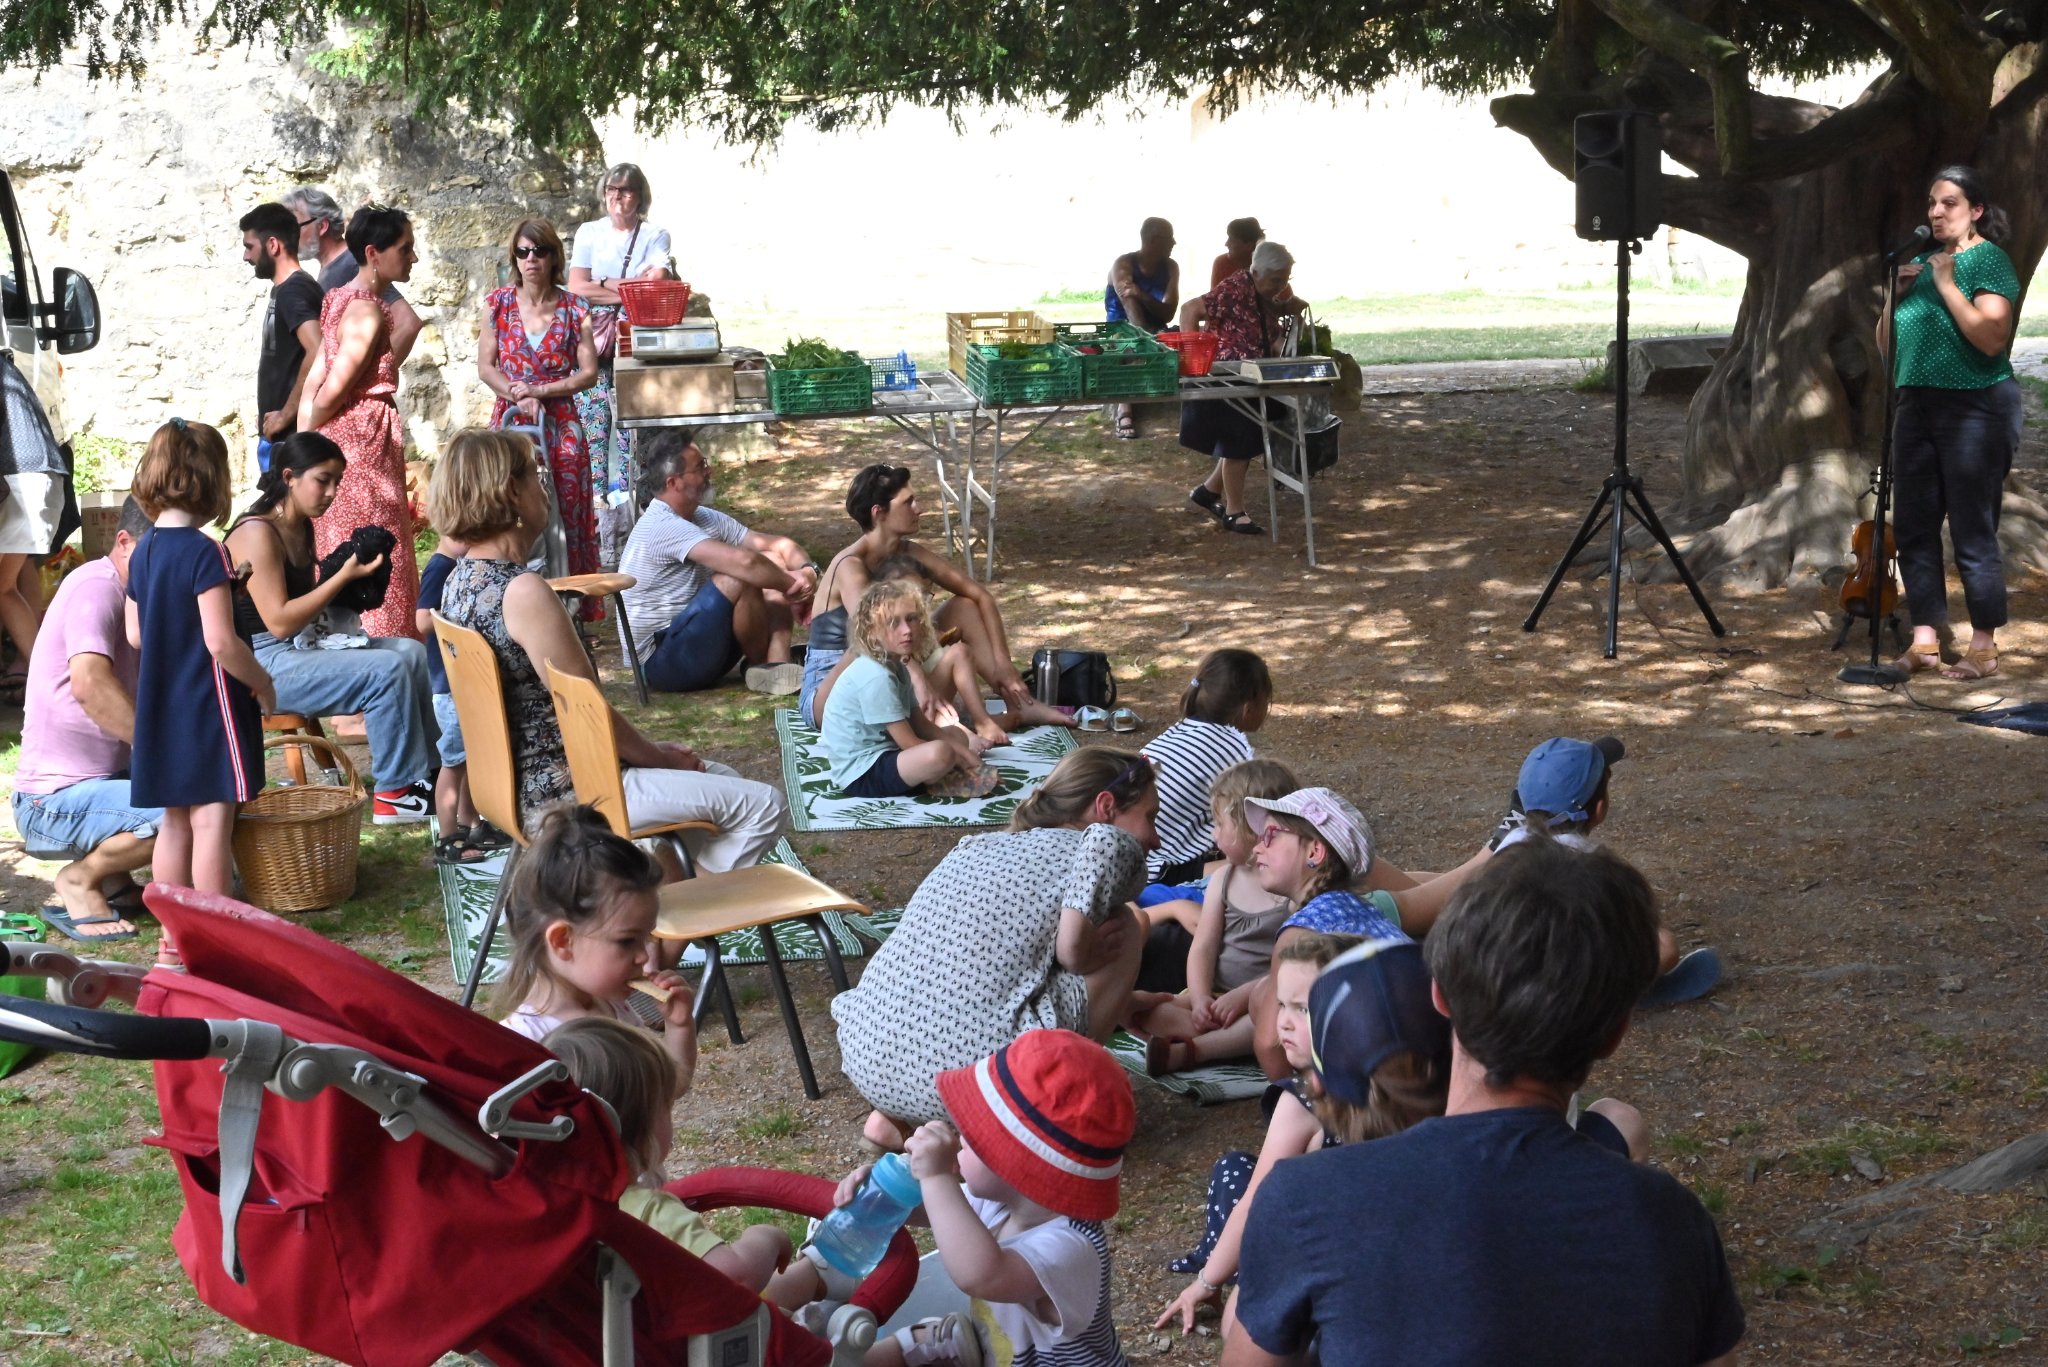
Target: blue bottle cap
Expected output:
[892,1172]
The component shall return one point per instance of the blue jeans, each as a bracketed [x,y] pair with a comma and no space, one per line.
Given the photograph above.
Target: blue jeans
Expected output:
[1951,452]
[386,681]
[73,822]
[696,649]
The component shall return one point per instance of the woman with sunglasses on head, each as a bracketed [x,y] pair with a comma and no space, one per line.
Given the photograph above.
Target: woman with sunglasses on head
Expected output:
[1018,930]
[535,352]
[621,246]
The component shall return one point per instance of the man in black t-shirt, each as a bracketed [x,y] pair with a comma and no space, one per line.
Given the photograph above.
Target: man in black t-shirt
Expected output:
[1494,1233]
[291,323]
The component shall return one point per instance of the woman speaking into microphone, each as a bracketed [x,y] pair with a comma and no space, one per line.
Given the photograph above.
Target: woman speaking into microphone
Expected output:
[1959,418]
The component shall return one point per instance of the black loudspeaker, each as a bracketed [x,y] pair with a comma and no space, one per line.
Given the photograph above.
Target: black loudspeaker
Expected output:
[1617,162]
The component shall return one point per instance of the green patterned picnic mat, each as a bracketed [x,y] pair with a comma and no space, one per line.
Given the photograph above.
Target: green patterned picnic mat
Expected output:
[1207,1085]
[815,805]
[467,890]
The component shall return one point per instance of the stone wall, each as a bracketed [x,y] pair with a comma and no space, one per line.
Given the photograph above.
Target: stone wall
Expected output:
[141,187]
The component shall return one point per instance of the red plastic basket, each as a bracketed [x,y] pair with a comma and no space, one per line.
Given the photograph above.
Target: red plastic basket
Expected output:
[654,303]
[1197,350]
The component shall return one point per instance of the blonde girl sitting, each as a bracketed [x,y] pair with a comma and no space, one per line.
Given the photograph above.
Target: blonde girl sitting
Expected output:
[880,741]
[1238,926]
[581,909]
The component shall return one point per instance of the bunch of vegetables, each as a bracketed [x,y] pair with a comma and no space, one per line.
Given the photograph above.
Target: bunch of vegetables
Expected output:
[809,353]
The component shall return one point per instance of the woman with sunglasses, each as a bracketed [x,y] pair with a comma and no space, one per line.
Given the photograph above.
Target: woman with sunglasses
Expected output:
[534,351]
[1025,929]
[622,245]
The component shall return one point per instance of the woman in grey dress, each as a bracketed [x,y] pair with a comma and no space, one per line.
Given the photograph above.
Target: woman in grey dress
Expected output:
[1019,930]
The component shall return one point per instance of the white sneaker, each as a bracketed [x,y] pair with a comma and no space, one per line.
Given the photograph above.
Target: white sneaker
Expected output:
[775,680]
[941,1339]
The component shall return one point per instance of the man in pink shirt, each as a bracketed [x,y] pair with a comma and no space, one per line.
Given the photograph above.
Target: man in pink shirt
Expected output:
[71,796]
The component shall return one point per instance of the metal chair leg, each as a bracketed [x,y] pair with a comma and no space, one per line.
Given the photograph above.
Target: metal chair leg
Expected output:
[715,983]
[483,949]
[626,644]
[834,963]
[780,981]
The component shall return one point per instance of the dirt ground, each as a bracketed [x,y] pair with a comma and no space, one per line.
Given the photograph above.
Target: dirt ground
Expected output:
[1869,869]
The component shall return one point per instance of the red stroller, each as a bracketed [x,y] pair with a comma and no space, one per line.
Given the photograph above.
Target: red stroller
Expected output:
[421,1180]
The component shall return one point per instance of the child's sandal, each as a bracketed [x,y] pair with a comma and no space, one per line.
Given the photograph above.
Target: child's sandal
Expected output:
[456,849]
[488,838]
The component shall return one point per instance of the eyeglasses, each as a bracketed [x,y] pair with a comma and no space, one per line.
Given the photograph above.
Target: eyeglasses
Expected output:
[620,190]
[528,253]
[305,223]
[1273,829]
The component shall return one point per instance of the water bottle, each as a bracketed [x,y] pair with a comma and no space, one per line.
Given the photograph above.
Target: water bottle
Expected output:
[854,1237]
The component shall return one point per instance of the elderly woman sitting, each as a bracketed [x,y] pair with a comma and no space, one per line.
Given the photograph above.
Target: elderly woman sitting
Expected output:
[1250,313]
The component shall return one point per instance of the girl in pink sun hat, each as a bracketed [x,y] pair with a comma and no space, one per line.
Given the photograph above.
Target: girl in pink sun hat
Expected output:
[1015,1190]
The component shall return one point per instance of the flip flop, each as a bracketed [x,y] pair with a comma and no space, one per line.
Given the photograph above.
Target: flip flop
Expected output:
[1691,978]
[1092,719]
[1123,719]
[59,919]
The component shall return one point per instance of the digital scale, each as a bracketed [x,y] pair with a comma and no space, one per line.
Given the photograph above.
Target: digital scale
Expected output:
[1267,368]
[694,339]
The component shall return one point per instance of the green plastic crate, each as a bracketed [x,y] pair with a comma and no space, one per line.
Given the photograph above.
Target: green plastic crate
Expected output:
[1050,374]
[19,926]
[1131,364]
[830,389]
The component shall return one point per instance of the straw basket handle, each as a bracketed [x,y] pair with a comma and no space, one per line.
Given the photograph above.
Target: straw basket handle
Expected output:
[340,760]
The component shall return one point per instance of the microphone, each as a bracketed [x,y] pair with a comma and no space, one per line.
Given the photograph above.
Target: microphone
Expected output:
[1912,244]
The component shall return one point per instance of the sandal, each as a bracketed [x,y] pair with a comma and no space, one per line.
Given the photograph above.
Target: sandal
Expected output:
[977,782]
[457,849]
[1206,500]
[1126,427]
[1242,524]
[1919,656]
[488,838]
[1124,720]
[1091,719]
[1975,664]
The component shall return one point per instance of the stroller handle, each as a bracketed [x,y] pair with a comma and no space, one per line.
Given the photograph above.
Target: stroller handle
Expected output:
[106,1034]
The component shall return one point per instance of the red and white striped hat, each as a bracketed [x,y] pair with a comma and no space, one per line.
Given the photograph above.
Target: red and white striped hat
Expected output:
[1050,1114]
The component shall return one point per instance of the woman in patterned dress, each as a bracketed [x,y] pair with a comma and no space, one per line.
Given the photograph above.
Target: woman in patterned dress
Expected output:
[534,351]
[1249,313]
[351,399]
[1020,930]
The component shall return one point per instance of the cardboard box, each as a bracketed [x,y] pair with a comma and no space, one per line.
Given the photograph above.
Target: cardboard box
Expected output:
[674,389]
[101,514]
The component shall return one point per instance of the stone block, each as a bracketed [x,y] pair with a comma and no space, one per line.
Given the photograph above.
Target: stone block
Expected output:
[1670,365]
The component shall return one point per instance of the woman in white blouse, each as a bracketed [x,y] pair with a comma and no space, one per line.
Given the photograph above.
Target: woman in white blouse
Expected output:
[622,245]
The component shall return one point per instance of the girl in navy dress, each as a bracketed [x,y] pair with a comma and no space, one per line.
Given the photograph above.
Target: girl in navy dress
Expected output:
[200,695]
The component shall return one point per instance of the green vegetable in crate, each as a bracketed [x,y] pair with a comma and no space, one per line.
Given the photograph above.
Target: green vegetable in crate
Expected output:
[1016,351]
[808,353]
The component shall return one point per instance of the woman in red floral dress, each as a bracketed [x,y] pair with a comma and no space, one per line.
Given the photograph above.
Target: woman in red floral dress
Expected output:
[351,398]
[536,353]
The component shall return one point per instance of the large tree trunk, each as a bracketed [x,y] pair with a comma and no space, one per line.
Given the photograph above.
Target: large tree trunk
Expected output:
[1782,439]
[1784,436]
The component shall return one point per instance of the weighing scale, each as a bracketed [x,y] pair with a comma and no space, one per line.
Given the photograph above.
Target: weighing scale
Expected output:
[1267,368]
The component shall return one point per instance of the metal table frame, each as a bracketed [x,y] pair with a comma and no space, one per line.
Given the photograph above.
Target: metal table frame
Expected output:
[930,415]
[1245,396]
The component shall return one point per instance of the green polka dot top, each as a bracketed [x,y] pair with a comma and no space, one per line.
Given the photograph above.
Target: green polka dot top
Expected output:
[1932,351]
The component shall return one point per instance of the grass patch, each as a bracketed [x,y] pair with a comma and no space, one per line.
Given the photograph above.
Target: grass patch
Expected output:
[1594,380]
[780,1123]
[1888,1144]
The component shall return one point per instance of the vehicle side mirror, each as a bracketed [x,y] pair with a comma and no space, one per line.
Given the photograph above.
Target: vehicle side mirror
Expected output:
[78,312]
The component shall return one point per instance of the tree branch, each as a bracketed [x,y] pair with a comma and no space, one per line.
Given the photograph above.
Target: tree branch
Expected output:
[1948,52]
[1722,61]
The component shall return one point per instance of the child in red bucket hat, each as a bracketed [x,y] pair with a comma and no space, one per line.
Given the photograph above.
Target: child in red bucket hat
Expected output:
[1015,1197]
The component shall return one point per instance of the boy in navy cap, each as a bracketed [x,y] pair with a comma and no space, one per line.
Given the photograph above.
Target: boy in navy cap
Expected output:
[1494,1233]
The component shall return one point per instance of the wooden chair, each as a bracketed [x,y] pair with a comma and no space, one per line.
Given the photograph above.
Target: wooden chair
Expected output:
[612,586]
[707,905]
[294,724]
[593,753]
[487,738]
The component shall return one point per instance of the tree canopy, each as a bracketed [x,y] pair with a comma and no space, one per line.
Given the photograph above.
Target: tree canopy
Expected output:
[748,67]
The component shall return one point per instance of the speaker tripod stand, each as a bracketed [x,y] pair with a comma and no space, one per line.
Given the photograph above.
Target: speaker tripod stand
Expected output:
[1622,491]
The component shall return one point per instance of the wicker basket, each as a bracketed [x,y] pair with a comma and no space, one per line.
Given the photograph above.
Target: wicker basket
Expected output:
[296,846]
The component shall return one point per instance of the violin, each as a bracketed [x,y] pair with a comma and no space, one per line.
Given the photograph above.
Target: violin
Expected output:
[1856,589]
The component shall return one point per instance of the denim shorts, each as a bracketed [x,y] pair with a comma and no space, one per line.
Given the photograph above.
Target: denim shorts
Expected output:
[73,822]
[452,751]
[819,663]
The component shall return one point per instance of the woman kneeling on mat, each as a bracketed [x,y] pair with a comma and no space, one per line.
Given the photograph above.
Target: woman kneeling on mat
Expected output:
[880,741]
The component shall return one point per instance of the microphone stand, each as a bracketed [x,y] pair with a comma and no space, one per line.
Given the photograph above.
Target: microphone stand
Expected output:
[1877,674]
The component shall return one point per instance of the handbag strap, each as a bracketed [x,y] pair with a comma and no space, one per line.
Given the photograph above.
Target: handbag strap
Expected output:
[626,266]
